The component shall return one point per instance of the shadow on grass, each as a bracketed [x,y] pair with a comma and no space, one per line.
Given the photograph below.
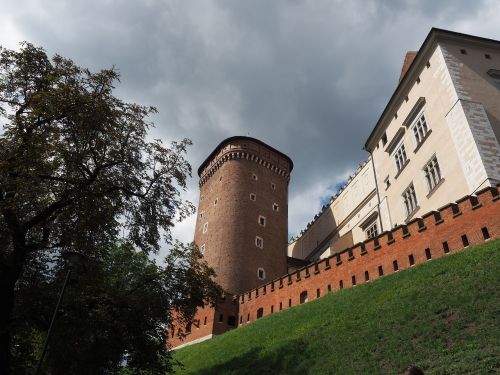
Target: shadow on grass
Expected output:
[283,360]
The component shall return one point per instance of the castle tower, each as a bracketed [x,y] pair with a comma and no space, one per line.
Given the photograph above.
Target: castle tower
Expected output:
[242,223]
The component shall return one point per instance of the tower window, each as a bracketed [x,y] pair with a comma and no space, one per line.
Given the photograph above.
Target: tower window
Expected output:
[384,139]
[259,242]
[253,197]
[487,56]
[261,274]
[254,177]
[276,207]
[221,318]
[463,51]
[380,271]
[201,214]
[262,220]
[216,201]
[205,227]
[202,249]
[273,186]
[411,260]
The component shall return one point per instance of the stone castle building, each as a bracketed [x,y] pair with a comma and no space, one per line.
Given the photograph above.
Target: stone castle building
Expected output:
[434,159]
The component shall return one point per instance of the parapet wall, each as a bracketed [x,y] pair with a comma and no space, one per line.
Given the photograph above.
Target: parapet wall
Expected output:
[470,221]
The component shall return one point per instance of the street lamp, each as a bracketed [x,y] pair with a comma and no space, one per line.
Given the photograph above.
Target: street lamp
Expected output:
[75,262]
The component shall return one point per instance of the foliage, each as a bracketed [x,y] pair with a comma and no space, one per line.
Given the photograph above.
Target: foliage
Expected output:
[441,316]
[76,170]
[113,317]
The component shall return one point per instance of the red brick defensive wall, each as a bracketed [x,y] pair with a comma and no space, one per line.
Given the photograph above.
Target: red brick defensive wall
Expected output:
[469,221]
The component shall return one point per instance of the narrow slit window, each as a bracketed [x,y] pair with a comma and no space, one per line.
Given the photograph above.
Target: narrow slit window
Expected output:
[486,234]
[259,242]
[262,220]
[411,260]
[221,318]
[290,303]
[205,227]
[428,254]
[276,207]
[446,248]
[353,278]
[395,265]
[318,293]
[380,271]
[465,240]
[341,284]
[253,197]
[367,276]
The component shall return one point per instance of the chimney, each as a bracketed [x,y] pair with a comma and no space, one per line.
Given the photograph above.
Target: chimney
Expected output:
[410,55]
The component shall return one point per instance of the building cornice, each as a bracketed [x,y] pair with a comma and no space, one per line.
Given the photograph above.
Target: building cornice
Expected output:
[229,140]
[433,38]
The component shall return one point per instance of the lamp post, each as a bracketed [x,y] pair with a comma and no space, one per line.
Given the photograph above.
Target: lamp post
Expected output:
[75,262]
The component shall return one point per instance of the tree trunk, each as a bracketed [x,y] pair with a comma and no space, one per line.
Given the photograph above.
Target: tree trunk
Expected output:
[9,274]
[7,285]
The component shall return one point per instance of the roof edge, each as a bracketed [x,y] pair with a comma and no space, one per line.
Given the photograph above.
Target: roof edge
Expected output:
[432,37]
[236,138]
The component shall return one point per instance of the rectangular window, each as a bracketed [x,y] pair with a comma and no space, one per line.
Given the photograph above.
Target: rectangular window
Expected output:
[202,249]
[372,231]
[432,173]
[400,157]
[262,220]
[341,284]
[205,227]
[420,129]
[367,276]
[259,242]
[253,197]
[409,200]
[380,271]
[276,207]
[353,280]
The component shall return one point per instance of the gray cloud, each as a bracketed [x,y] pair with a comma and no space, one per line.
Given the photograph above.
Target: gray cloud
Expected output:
[308,77]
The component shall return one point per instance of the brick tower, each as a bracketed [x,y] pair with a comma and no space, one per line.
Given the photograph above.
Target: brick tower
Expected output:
[242,222]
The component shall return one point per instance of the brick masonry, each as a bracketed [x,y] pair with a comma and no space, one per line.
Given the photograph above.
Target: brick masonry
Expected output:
[468,221]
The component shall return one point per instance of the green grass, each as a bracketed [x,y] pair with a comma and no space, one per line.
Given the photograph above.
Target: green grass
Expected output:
[442,316]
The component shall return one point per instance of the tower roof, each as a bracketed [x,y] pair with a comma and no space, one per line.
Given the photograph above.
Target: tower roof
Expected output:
[240,138]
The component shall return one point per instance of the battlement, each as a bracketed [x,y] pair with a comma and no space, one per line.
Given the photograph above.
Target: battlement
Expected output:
[469,221]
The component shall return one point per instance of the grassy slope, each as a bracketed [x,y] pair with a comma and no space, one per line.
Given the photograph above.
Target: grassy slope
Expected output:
[442,316]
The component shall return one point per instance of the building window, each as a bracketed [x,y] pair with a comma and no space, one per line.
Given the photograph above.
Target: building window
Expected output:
[387,183]
[276,207]
[303,297]
[432,173]
[261,274]
[262,220]
[273,186]
[395,265]
[202,249]
[216,201]
[420,129]
[409,200]
[259,242]
[384,139]
[372,231]
[205,227]
[201,214]
[253,197]
[221,318]
[400,156]
[254,177]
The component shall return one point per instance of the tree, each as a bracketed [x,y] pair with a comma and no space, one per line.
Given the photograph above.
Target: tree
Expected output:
[76,170]
[115,315]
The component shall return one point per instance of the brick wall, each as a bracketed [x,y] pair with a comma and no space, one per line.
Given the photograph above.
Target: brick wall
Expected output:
[469,221]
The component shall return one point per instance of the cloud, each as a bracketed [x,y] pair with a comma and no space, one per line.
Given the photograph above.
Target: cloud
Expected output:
[308,77]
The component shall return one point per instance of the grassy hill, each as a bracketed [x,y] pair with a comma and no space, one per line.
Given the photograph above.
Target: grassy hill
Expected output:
[443,316]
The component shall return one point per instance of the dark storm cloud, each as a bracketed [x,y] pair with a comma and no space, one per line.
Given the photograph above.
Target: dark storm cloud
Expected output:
[308,77]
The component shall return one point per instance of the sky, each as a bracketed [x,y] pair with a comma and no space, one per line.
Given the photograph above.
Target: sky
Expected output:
[308,77]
